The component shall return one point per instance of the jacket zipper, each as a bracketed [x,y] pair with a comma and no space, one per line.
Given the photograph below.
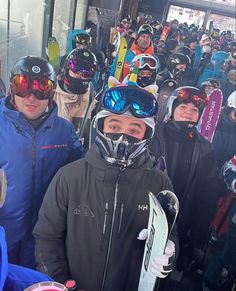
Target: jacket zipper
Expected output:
[33,177]
[111,231]
[105,218]
[121,216]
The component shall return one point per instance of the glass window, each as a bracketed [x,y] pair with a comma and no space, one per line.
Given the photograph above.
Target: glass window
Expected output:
[186,15]
[3,39]
[223,22]
[61,23]
[22,33]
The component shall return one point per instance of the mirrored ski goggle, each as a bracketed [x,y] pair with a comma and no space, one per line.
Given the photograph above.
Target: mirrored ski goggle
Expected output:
[83,68]
[23,86]
[141,103]
[146,27]
[83,39]
[194,95]
[145,61]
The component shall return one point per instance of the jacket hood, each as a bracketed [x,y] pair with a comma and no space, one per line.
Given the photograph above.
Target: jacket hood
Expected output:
[107,172]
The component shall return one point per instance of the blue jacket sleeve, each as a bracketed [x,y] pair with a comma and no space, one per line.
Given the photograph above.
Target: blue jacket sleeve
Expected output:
[76,151]
[19,278]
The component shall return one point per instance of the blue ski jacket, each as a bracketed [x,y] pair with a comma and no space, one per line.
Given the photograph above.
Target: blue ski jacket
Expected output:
[16,278]
[30,158]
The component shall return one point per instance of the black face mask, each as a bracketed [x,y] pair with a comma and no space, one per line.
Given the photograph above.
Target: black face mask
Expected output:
[75,86]
[186,126]
[115,136]
[145,81]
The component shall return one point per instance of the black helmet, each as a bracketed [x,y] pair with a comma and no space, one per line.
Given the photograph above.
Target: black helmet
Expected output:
[82,62]
[157,26]
[82,38]
[145,29]
[176,59]
[185,51]
[35,68]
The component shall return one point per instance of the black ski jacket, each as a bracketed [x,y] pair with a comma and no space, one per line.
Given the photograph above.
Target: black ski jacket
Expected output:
[90,219]
[200,183]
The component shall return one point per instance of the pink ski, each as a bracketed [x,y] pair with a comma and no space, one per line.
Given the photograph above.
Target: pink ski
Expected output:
[211,115]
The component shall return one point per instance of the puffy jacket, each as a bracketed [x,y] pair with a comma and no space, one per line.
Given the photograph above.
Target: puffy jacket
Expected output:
[30,158]
[90,219]
[12,277]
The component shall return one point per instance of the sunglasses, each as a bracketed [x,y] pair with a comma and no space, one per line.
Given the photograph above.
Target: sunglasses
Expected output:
[146,61]
[82,67]
[23,86]
[197,97]
[140,102]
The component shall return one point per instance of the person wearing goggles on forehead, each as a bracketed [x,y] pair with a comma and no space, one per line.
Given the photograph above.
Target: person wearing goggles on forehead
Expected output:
[74,91]
[95,209]
[142,45]
[192,168]
[36,144]
[147,66]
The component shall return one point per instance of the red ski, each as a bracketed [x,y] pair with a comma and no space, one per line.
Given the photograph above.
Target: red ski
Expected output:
[165,33]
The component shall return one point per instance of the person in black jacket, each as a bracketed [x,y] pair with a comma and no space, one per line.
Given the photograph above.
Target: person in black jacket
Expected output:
[191,165]
[95,209]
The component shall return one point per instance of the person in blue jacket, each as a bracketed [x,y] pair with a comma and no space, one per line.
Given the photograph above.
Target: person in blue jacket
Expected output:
[35,144]
[13,277]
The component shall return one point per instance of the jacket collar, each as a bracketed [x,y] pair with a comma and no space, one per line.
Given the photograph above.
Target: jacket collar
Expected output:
[109,173]
[18,119]
[134,48]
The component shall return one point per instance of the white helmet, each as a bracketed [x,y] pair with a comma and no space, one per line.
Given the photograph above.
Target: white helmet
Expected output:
[231,101]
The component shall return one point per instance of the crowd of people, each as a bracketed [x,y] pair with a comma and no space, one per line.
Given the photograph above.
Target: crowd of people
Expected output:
[83,148]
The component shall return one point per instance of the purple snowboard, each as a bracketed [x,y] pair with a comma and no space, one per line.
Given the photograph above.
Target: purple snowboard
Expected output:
[211,115]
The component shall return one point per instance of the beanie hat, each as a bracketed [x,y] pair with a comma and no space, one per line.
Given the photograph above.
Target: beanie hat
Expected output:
[145,29]
[171,44]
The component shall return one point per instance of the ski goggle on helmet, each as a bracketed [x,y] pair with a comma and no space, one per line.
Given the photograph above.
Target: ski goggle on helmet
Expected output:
[144,60]
[187,94]
[22,86]
[140,102]
[81,67]
[145,29]
[83,39]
